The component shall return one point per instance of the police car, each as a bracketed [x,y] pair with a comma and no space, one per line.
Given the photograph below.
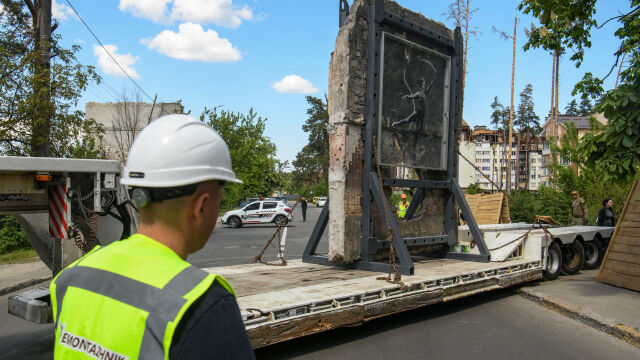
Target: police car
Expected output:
[258,212]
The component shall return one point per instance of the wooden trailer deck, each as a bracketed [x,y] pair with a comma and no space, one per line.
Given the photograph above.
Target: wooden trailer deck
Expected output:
[280,303]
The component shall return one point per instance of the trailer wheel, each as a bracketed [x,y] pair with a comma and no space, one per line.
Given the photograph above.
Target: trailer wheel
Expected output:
[572,258]
[593,254]
[234,222]
[554,262]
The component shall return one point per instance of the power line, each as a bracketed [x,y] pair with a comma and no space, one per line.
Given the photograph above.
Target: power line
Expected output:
[108,53]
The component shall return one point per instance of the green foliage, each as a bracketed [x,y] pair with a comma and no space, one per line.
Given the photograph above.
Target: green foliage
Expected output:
[11,235]
[526,121]
[582,176]
[572,108]
[500,115]
[546,201]
[30,94]
[614,153]
[311,165]
[585,108]
[563,24]
[252,154]
[474,189]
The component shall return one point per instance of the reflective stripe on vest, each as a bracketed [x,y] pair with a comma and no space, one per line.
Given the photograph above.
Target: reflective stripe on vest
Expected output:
[163,305]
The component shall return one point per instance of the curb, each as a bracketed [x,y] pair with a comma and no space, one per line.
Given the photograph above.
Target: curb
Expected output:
[620,331]
[23,284]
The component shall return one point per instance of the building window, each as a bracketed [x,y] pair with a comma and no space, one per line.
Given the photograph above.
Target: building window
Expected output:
[486,160]
[565,161]
[533,161]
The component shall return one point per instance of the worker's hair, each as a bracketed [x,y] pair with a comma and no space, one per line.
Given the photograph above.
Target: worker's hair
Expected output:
[605,201]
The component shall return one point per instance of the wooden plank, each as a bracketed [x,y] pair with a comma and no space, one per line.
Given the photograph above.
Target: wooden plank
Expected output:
[623,268]
[629,258]
[633,216]
[618,279]
[628,232]
[629,224]
[608,276]
[627,249]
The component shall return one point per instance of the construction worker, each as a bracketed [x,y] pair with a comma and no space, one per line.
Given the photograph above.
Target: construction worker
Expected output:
[138,298]
[579,213]
[402,206]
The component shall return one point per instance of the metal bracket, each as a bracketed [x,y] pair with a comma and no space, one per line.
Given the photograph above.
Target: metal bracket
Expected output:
[344,11]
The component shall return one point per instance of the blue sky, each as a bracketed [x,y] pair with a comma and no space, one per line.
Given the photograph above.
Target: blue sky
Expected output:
[269,54]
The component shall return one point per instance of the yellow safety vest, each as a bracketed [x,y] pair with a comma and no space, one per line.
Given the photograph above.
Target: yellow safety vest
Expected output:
[402,209]
[124,300]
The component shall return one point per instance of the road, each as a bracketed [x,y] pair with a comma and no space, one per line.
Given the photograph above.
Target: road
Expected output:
[496,325]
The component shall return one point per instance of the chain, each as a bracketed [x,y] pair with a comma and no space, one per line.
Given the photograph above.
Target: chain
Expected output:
[393,267]
[283,261]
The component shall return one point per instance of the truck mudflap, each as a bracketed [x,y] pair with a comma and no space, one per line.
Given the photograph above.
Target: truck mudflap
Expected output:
[343,298]
[32,305]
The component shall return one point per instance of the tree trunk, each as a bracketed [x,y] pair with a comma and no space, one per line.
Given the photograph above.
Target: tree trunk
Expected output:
[513,73]
[553,91]
[41,81]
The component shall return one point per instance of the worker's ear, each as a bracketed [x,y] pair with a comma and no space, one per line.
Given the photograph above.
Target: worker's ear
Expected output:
[200,203]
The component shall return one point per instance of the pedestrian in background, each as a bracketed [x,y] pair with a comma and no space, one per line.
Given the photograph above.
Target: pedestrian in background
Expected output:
[303,205]
[402,206]
[579,213]
[605,216]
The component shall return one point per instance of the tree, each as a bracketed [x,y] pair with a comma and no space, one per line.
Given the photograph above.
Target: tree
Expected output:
[528,125]
[572,108]
[312,162]
[33,97]
[527,122]
[252,154]
[128,121]
[585,108]
[614,151]
[513,74]
[461,13]
[500,115]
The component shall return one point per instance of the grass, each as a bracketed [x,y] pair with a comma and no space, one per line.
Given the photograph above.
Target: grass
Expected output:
[19,257]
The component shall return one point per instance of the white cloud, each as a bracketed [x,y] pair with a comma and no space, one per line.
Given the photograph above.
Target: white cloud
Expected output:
[108,66]
[193,43]
[219,12]
[294,84]
[155,10]
[61,11]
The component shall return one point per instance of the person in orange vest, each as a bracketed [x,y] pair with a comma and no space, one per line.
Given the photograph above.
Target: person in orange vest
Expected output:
[402,206]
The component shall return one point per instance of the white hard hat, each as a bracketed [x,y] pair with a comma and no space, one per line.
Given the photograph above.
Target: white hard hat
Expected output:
[177,150]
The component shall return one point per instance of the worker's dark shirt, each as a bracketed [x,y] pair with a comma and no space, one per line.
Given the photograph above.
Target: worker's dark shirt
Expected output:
[212,329]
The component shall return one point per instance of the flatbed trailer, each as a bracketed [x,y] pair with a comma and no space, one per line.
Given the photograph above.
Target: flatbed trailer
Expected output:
[280,303]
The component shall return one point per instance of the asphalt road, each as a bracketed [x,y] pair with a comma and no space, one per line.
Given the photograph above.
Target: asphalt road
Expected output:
[496,325]
[228,246]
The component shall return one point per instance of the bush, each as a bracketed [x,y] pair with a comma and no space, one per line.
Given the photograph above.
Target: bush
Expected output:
[11,235]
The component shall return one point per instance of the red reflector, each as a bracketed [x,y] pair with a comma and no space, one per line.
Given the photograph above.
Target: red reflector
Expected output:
[43,177]
[287,209]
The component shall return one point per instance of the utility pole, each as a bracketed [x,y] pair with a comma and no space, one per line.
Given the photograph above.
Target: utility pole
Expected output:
[41,19]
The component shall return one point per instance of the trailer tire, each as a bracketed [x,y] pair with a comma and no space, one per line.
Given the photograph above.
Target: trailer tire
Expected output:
[593,254]
[234,222]
[554,262]
[572,258]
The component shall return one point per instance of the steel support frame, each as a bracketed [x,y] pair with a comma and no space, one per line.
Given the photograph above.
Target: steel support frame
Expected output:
[370,183]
